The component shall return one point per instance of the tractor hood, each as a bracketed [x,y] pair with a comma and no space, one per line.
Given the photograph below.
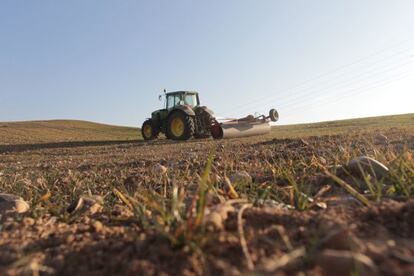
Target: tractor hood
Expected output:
[156,112]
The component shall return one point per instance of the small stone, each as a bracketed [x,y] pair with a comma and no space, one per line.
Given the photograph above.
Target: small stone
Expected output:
[367,165]
[12,203]
[241,178]
[160,169]
[391,243]
[344,263]
[97,226]
[28,221]
[70,238]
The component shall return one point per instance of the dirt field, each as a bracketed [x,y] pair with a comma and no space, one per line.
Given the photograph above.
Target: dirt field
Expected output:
[289,203]
[58,131]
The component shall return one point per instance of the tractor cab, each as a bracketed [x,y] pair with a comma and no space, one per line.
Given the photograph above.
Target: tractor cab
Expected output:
[180,98]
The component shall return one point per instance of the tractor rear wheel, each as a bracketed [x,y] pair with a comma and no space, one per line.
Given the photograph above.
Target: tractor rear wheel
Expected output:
[148,130]
[204,121]
[180,126]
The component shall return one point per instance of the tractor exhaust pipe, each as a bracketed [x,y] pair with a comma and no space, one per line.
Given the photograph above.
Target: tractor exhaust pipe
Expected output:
[244,127]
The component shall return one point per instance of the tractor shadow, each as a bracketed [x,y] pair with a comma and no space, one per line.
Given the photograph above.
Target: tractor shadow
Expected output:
[15,148]
[56,145]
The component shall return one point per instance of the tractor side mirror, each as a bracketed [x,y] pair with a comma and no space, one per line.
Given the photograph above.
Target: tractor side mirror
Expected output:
[160,97]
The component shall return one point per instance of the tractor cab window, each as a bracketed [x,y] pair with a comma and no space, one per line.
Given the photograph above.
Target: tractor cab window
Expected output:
[174,100]
[190,99]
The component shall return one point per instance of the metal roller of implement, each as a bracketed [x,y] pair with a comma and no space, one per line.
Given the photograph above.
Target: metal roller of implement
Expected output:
[244,127]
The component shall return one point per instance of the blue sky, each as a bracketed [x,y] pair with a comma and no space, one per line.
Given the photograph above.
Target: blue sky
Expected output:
[107,61]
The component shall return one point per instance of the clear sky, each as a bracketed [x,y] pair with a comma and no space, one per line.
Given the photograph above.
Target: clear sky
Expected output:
[107,61]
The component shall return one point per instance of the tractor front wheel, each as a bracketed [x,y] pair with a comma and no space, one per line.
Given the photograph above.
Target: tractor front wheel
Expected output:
[180,126]
[148,130]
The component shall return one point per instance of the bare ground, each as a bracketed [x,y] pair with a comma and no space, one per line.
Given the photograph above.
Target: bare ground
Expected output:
[149,219]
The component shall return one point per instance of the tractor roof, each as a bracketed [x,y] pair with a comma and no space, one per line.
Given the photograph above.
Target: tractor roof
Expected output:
[181,92]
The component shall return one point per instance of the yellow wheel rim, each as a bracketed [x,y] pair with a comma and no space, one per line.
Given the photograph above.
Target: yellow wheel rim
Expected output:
[147,131]
[177,127]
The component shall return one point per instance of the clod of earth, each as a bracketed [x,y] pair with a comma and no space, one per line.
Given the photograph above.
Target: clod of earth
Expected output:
[364,165]
[12,203]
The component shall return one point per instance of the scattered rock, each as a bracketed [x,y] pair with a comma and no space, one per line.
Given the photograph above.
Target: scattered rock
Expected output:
[97,226]
[367,165]
[241,178]
[344,263]
[28,221]
[160,169]
[86,204]
[12,203]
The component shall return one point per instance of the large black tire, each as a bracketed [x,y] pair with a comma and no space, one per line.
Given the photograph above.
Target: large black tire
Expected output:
[149,131]
[180,126]
[273,115]
[204,122]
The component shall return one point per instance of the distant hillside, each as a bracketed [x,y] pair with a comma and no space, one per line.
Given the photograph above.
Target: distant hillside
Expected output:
[31,132]
[405,121]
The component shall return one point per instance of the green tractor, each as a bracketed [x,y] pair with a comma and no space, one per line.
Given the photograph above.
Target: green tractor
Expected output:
[181,119]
